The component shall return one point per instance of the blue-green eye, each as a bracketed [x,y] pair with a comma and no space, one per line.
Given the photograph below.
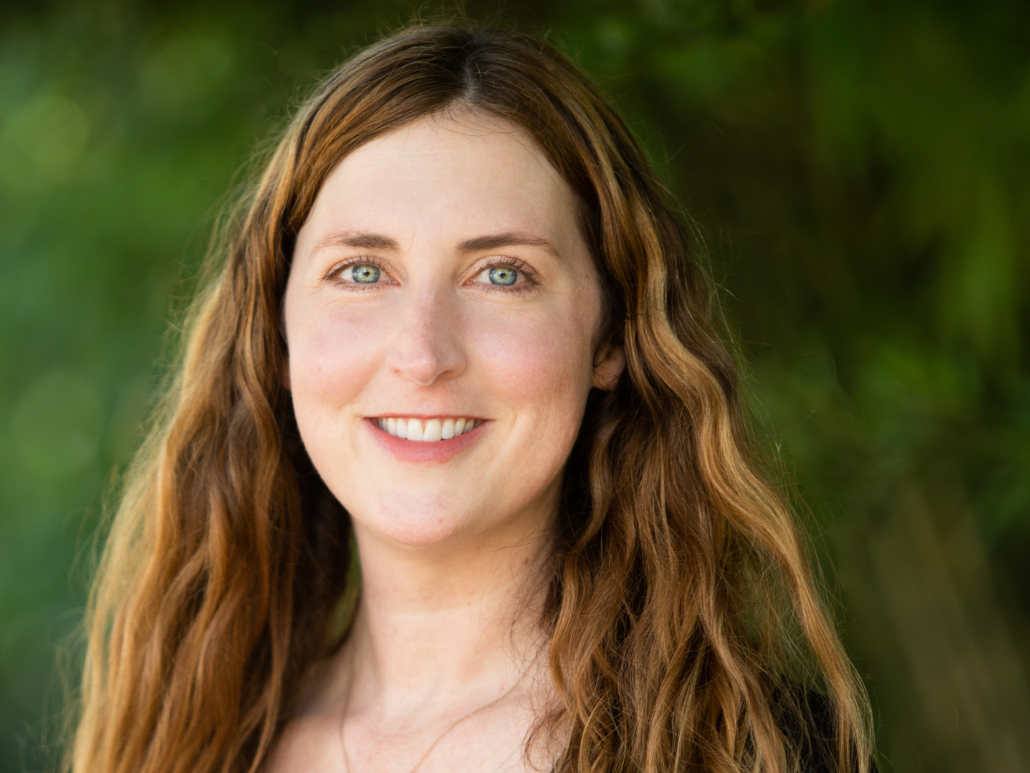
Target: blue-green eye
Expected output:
[502,275]
[365,274]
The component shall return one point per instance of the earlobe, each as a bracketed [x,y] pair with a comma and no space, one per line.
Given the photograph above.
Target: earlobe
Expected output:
[608,371]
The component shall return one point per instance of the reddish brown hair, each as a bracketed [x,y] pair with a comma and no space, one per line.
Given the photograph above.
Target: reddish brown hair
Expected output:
[682,600]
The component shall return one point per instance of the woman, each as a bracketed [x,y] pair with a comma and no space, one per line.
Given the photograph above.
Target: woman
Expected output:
[455,476]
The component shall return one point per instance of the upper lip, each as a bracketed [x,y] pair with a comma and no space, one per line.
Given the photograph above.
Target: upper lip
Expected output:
[425,416]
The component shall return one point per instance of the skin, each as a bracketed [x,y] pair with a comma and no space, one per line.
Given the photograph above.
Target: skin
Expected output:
[451,545]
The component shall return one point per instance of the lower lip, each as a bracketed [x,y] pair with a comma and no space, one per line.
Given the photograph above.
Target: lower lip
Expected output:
[421,451]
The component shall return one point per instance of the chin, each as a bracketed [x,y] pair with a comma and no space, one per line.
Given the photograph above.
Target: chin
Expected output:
[418,533]
[414,524]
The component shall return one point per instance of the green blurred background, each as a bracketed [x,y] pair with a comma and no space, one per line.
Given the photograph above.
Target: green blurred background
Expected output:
[860,173]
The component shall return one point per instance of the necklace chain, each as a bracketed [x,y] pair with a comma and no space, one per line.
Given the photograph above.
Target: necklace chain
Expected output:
[450,727]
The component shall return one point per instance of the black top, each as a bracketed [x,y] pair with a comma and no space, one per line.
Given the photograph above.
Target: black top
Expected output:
[816,740]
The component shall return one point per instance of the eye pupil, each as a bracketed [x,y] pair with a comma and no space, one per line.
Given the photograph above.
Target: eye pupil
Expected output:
[499,275]
[365,274]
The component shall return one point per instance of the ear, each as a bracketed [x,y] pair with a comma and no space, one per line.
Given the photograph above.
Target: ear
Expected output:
[609,369]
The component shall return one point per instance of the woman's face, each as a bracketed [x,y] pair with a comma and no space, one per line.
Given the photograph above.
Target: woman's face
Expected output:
[441,280]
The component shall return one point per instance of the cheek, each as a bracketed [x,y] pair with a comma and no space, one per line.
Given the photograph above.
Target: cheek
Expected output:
[332,356]
[542,361]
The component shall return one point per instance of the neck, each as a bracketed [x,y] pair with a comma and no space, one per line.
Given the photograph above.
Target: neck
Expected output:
[447,624]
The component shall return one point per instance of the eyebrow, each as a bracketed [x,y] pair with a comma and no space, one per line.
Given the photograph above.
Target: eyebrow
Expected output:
[373,241]
[506,239]
[360,240]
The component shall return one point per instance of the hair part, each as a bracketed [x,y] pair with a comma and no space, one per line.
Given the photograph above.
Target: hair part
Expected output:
[683,611]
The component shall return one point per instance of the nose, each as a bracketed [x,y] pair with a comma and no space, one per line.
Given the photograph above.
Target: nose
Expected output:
[426,346]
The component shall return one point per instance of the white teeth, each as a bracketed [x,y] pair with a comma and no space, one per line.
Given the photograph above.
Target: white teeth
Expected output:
[431,431]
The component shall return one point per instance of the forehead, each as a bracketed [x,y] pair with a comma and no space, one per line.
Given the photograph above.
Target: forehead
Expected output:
[464,170]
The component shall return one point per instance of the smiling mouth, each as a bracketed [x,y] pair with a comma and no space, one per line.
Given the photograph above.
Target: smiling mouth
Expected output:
[428,430]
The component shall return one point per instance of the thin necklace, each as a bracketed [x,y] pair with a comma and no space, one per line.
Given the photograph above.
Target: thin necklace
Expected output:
[454,724]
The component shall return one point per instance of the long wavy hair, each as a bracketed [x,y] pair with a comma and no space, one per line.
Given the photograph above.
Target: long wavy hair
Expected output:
[685,627]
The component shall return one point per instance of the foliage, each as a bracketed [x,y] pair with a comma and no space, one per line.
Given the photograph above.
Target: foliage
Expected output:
[858,172]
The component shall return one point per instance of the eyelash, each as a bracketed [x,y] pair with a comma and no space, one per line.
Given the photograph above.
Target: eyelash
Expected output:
[339,268]
[516,265]
[501,261]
